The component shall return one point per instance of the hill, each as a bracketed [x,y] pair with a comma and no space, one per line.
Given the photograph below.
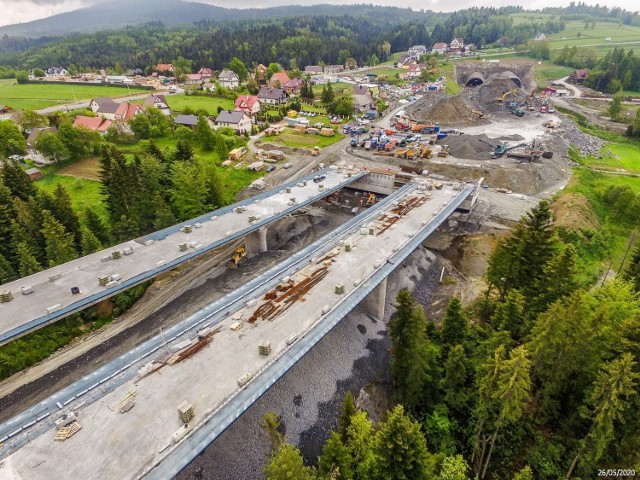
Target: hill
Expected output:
[119,13]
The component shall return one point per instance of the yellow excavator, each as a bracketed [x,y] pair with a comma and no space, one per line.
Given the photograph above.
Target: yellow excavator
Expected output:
[238,255]
[372,200]
[504,96]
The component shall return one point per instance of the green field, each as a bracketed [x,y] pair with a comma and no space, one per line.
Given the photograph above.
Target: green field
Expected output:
[178,102]
[550,71]
[36,96]
[520,18]
[625,35]
[84,193]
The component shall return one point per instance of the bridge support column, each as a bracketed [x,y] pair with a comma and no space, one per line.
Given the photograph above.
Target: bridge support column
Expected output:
[375,301]
[256,242]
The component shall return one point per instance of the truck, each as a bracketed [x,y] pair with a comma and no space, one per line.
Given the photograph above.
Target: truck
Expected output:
[390,145]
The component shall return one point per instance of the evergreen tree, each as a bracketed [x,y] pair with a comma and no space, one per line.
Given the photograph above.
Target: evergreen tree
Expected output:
[454,325]
[525,474]
[7,215]
[454,468]
[344,419]
[335,460]
[90,243]
[125,229]
[271,426]
[632,273]
[164,217]
[120,184]
[414,365]
[63,211]
[615,106]
[27,262]
[615,385]
[558,280]
[7,273]
[154,151]
[190,193]
[508,315]
[454,381]
[16,180]
[400,450]
[327,94]
[19,236]
[59,246]
[287,464]
[183,152]
[360,444]
[204,134]
[95,224]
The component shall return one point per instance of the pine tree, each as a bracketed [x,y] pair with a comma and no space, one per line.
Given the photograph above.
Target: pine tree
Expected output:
[525,474]
[558,280]
[454,381]
[27,263]
[615,385]
[360,444]
[204,134]
[183,152]
[16,180]
[287,464]
[344,419]
[401,450]
[454,468]
[164,217]
[154,151]
[19,236]
[7,215]
[95,224]
[90,243]
[59,246]
[454,326]
[7,273]
[63,211]
[509,316]
[125,228]
[335,459]
[271,426]
[632,273]
[414,365]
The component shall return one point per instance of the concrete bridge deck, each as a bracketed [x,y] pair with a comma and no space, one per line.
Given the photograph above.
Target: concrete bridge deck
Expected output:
[141,439]
[144,258]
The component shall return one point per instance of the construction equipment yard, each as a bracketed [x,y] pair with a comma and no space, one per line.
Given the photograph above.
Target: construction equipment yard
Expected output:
[254,317]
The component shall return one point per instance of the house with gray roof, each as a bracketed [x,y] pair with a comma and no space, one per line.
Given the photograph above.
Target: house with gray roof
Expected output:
[236,119]
[272,96]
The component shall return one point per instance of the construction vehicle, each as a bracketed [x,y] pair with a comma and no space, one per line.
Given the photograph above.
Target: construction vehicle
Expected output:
[426,152]
[390,145]
[550,124]
[315,151]
[238,255]
[437,185]
[401,151]
[479,114]
[372,200]
[517,111]
[504,96]
[444,151]
[412,153]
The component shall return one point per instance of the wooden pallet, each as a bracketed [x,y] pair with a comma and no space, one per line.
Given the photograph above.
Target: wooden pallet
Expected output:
[68,431]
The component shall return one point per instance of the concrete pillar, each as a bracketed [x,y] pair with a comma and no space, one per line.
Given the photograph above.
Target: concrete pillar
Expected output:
[256,242]
[375,301]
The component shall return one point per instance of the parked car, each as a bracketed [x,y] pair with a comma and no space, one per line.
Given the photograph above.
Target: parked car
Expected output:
[287,165]
[319,178]
[271,168]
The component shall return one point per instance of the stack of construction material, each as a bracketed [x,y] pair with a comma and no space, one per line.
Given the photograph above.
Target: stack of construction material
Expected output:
[186,412]
[264,348]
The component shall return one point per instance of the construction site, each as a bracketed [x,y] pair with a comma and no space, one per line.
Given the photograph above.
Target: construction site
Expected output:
[499,135]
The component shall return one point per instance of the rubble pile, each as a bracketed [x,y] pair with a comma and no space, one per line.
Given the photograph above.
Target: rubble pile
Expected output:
[573,136]
[444,109]
[472,147]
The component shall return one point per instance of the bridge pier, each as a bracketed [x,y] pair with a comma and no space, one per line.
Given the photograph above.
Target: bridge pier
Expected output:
[375,301]
[256,242]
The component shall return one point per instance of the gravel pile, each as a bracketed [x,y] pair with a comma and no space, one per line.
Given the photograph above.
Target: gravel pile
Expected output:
[573,136]
[472,147]
[309,397]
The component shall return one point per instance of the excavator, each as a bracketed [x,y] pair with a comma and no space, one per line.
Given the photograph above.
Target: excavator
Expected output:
[238,255]
[504,96]
[501,149]
[372,200]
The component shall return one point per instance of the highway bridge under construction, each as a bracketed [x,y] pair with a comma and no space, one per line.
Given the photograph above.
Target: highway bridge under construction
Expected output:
[158,406]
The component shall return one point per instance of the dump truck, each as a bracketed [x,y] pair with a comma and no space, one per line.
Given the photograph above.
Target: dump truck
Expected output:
[390,145]
[400,152]
[238,255]
[412,153]
[426,152]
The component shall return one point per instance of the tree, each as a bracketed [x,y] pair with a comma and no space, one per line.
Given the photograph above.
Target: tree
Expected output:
[90,243]
[632,273]
[49,145]
[239,67]
[7,273]
[327,94]
[271,425]
[59,246]
[141,126]
[271,69]
[454,468]
[454,381]
[94,223]
[189,195]
[22,76]
[11,140]
[344,419]
[615,106]
[454,325]
[360,444]
[164,217]
[335,459]
[38,73]
[414,362]
[27,262]
[61,208]
[16,180]
[343,55]
[27,120]
[287,464]
[205,134]
[342,106]
[615,385]
[184,151]
[400,450]
[525,474]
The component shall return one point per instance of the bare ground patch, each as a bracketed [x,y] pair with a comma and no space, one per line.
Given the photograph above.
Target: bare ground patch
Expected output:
[573,212]
[88,168]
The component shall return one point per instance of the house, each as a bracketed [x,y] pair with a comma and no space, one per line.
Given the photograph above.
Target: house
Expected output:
[278,79]
[158,101]
[96,103]
[192,78]
[540,37]
[133,109]
[229,79]
[333,68]
[236,119]
[417,51]
[33,173]
[209,87]
[313,69]
[205,73]
[164,68]
[294,86]
[578,76]
[439,47]
[132,72]
[249,104]
[272,96]
[401,60]
[95,124]
[360,89]
[190,121]
[362,103]
[5,109]
[56,72]
[413,72]
[35,133]
[456,45]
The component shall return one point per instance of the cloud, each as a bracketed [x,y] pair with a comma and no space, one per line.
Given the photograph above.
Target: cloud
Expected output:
[20,11]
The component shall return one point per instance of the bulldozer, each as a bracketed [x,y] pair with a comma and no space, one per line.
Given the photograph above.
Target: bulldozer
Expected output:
[444,151]
[238,255]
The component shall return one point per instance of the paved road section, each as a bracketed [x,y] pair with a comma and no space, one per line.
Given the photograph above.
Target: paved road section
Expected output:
[111,444]
[139,260]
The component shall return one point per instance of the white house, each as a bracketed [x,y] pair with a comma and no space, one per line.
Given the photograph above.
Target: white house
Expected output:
[457,44]
[417,50]
[236,119]
[229,79]
[540,37]
[158,101]
[272,96]
[440,48]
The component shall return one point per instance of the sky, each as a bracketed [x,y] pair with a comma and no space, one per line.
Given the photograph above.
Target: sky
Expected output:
[19,11]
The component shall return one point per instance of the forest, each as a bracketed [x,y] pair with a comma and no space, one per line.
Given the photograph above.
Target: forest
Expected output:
[539,379]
